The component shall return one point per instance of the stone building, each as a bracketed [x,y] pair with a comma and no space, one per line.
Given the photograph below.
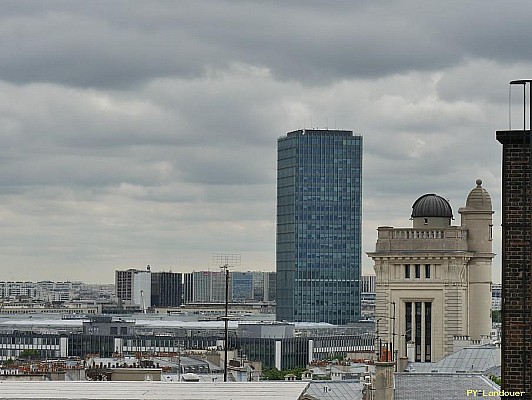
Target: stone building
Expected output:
[433,281]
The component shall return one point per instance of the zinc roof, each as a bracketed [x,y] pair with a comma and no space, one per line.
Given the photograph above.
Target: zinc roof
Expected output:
[468,359]
[57,390]
[335,390]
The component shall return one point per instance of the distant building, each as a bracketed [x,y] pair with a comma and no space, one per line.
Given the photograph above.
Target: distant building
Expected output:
[17,289]
[496,296]
[275,344]
[434,280]
[107,326]
[188,287]
[319,218]
[208,286]
[271,290]
[242,287]
[245,286]
[166,289]
[367,284]
[367,297]
[133,287]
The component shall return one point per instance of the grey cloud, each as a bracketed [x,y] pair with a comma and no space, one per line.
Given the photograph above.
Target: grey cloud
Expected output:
[97,45]
[238,166]
[139,133]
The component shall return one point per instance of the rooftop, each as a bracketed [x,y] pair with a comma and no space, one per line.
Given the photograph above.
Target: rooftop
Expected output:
[335,390]
[152,390]
[422,386]
[468,359]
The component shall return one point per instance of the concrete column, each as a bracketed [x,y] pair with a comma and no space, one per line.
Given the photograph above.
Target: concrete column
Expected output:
[410,351]
[310,351]
[278,354]
[63,347]
[119,345]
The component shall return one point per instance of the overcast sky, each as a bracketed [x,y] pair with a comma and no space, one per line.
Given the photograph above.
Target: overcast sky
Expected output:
[145,132]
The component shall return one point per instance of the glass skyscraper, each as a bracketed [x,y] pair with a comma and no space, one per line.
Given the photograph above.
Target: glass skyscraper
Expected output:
[319,224]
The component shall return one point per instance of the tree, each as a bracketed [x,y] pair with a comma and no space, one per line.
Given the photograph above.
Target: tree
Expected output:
[496,379]
[496,315]
[29,354]
[272,374]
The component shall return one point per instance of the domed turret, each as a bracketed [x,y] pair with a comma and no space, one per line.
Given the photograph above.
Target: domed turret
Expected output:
[477,217]
[431,205]
[479,198]
[431,210]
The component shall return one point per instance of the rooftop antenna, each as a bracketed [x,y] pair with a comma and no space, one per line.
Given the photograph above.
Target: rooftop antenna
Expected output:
[225,261]
[522,82]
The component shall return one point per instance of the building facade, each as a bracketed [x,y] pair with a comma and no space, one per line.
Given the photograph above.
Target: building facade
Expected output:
[367,297]
[433,281]
[245,286]
[208,287]
[133,288]
[319,196]
[516,344]
[496,297]
[166,289]
[241,286]
[281,347]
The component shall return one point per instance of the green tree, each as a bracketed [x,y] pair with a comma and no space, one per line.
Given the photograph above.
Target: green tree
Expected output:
[272,374]
[496,379]
[29,354]
[294,371]
[496,315]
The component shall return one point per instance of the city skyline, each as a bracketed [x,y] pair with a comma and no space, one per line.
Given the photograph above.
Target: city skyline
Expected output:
[145,133]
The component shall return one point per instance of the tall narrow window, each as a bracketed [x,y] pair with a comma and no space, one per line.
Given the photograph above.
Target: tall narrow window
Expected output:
[417,338]
[418,271]
[428,326]
[408,324]
[427,271]
[407,271]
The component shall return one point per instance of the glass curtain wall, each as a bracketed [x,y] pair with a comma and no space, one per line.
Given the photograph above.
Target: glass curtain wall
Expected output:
[319,226]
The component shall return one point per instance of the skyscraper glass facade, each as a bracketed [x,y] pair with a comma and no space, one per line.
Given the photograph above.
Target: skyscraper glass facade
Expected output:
[319,209]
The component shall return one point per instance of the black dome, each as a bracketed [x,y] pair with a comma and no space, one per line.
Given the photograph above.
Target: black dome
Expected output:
[431,205]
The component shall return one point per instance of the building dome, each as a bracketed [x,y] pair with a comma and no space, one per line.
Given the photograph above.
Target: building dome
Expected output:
[431,205]
[479,198]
